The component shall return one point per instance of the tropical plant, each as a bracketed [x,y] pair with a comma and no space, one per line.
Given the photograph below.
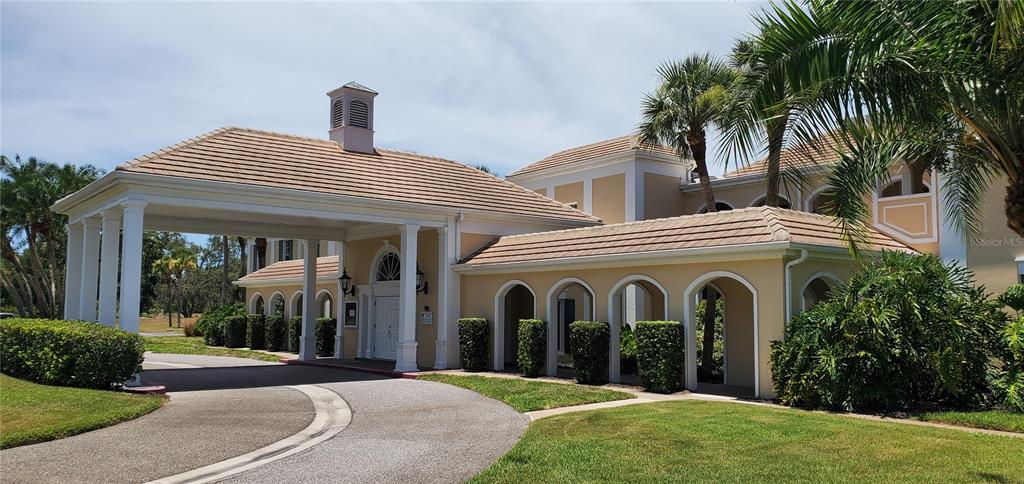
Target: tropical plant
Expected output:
[1013,298]
[1010,378]
[938,86]
[693,96]
[903,332]
[34,240]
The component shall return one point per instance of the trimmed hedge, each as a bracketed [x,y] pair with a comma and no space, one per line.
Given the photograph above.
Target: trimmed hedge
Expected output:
[69,353]
[234,331]
[325,329]
[294,333]
[276,333]
[474,335]
[588,341]
[659,355]
[256,332]
[211,324]
[533,346]
[627,350]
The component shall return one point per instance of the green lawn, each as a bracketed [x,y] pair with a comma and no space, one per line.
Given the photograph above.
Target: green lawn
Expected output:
[31,413]
[530,395]
[729,442]
[987,419]
[194,346]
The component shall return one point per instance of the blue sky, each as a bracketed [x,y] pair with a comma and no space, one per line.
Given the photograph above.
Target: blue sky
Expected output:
[498,84]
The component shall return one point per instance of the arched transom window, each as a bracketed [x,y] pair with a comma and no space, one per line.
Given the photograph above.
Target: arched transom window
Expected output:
[389,268]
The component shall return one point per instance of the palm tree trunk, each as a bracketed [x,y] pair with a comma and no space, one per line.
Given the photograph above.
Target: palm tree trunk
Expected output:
[775,129]
[12,290]
[243,257]
[225,280]
[707,360]
[698,148]
[1015,205]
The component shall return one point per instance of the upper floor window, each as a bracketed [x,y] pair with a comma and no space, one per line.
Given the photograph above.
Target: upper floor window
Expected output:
[358,114]
[337,108]
[719,206]
[285,250]
[821,203]
[783,203]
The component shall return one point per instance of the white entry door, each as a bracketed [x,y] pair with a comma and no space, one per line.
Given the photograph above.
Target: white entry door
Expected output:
[385,327]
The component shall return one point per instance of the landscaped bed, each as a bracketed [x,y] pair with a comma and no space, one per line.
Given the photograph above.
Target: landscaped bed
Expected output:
[30,412]
[711,441]
[184,345]
[529,395]
[982,419]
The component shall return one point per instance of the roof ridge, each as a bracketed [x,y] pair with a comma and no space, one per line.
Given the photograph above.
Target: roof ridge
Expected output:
[775,226]
[174,147]
[574,148]
[638,222]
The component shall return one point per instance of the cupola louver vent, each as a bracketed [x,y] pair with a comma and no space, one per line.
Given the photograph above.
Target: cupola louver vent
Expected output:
[358,114]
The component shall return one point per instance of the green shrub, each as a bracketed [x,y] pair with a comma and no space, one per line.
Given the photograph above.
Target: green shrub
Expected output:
[659,355]
[234,331]
[211,323]
[588,342]
[904,331]
[1010,378]
[627,350]
[276,333]
[474,335]
[1013,298]
[533,346]
[256,331]
[68,353]
[325,329]
[294,333]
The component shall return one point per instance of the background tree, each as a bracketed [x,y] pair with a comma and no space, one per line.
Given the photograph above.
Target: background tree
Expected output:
[34,239]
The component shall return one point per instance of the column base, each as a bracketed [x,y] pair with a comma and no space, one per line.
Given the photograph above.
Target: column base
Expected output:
[339,347]
[307,348]
[405,357]
[440,355]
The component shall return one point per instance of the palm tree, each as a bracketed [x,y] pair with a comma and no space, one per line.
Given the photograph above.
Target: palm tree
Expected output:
[939,85]
[183,264]
[167,266]
[692,97]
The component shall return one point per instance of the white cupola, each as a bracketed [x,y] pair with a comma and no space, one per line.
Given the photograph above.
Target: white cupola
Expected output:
[352,117]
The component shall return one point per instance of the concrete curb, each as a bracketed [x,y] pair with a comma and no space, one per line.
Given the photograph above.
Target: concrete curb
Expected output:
[375,371]
[332,416]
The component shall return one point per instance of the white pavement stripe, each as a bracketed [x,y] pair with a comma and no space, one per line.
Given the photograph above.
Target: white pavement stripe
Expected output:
[172,365]
[332,416]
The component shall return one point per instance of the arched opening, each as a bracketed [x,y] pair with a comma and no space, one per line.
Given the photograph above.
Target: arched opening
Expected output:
[381,334]
[276,307]
[760,202]
[325,305]
[514,301]
[256,304]
[569,300]
[893,189]
[817,289]
[633,298]
[295,308]
[821,202]
[720,206]
[735,300]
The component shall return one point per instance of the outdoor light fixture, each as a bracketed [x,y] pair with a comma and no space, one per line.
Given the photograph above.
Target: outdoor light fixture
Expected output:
[421,281]
[346,284]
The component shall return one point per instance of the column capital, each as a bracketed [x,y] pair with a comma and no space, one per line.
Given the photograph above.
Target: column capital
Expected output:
[408,228]
[91,223]
[133,204]
[112,213]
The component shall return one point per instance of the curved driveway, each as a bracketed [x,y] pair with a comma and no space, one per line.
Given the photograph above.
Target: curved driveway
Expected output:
[220,408]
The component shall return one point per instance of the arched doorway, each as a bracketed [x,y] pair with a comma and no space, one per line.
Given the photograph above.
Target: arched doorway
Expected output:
[817,289]
[739,334]
[515,300]
[381,335]
[295,307]
[324,304]
[633,298]
[569,300]
[256,304]
[276,307]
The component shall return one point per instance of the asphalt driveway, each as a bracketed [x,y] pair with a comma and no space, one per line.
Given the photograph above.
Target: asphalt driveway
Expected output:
[401,430]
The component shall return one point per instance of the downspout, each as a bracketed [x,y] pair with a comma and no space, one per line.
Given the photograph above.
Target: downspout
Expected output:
[789,283]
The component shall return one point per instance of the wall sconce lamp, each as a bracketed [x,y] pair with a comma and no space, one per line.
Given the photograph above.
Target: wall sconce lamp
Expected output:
[346,284]
[421,281]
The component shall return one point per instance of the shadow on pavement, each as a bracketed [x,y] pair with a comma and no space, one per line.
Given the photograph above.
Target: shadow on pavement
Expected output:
[222,378]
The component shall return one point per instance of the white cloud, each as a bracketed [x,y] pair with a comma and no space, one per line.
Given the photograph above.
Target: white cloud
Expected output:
[501,84]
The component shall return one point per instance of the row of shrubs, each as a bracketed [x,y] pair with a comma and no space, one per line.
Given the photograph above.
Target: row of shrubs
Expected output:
[69,353]
[231,327]
[655,349]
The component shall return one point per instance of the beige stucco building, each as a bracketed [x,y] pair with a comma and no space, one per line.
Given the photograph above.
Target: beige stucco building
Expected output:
[612,231]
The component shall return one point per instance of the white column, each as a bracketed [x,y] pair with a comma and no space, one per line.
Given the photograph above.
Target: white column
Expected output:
[272,251]
[339,301]
[73,272]
[332,247]
[307,342]
[443,319]
[90,269]
[250,253]
[109,248]
[131,264]
[406,355]
[952,242]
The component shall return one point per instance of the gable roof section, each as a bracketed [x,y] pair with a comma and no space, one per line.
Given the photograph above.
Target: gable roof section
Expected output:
[757,225]
[622,144]
[263,158]
[822,152]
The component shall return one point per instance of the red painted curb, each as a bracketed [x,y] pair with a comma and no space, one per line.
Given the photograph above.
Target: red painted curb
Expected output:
[375,371]
[150,390]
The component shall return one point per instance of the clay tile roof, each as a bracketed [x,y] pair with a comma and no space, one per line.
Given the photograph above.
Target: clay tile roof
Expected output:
[823,151]
[292,269]
[263,158]
[591,151]
[746,226]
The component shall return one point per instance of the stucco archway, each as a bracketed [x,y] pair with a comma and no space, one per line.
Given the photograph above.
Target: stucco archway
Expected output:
[276,305]
[257,305]
[817,288]
[633,298]
[513,301]
[570,299]
[295,305]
